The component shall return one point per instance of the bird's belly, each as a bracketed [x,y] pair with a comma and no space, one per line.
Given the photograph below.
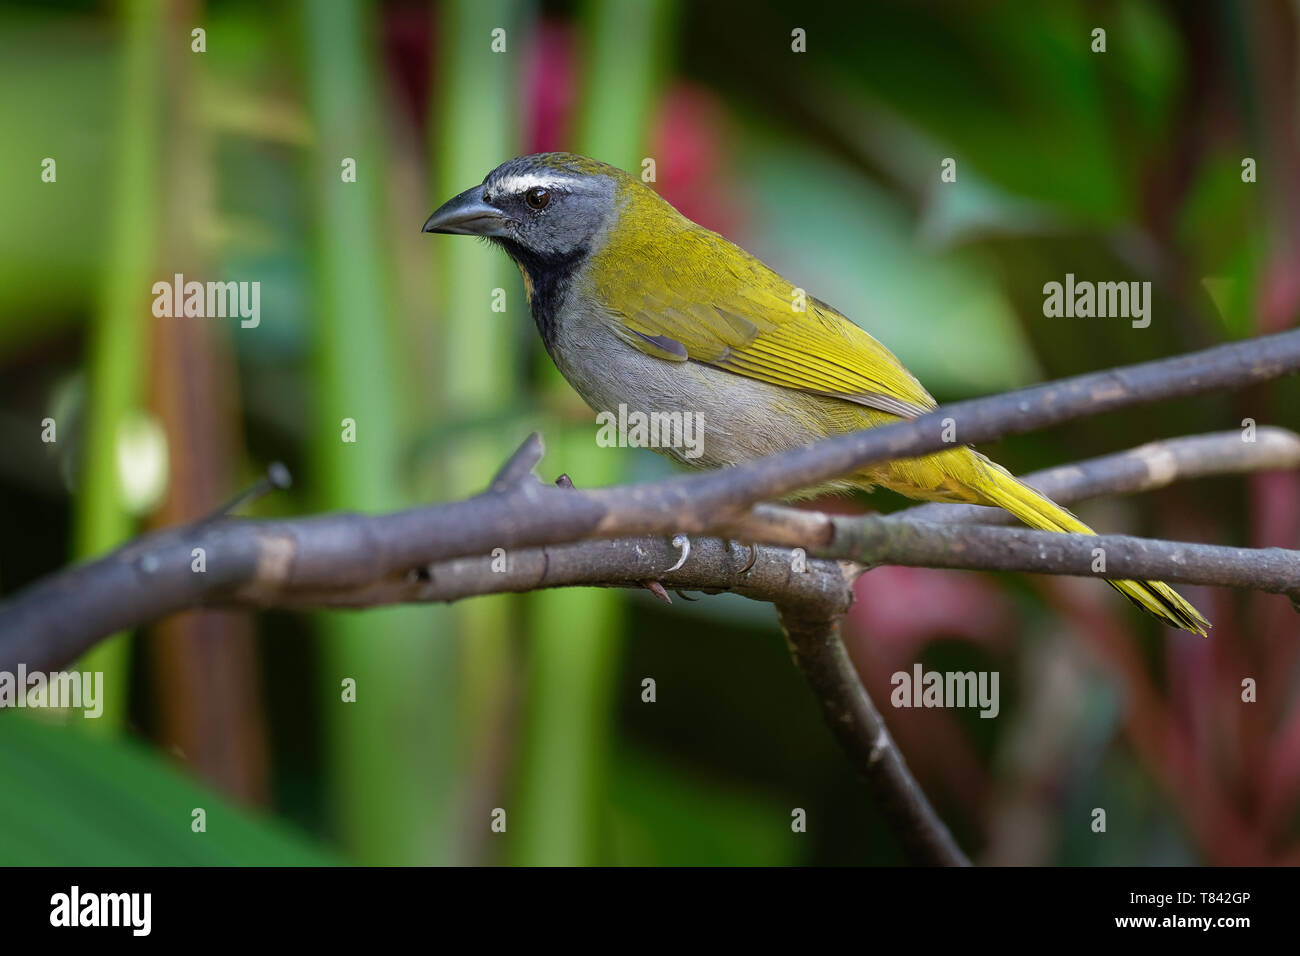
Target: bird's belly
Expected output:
[724,418]
[709,418]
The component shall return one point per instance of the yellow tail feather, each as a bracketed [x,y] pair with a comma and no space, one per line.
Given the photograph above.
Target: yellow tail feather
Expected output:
[1038,511]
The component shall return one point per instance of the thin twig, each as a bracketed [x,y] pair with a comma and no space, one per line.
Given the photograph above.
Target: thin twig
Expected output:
[518,468]
[814,639]
[876,540]
[1148,467]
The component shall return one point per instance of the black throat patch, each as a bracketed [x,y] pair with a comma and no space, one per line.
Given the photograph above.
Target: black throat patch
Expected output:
[546,280]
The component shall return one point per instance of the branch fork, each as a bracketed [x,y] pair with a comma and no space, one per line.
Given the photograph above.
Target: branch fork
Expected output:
[616,537]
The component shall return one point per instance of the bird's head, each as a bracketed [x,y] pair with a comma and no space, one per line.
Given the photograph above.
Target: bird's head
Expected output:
[545,210]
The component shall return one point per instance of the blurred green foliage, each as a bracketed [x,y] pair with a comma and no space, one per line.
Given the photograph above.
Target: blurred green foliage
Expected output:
[1123,165]
[72,799]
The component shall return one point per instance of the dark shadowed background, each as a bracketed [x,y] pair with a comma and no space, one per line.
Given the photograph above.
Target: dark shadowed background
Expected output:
[227,164]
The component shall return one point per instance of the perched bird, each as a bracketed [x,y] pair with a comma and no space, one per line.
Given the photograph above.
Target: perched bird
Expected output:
[640,307]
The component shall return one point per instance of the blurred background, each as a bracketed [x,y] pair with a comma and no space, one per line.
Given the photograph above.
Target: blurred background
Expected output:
[227,164]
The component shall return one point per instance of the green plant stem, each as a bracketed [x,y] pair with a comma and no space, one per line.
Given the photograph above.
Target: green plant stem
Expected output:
[117,359]
[576,635]
[389,769]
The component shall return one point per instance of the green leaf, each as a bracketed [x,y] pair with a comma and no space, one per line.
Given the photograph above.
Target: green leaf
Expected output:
[70,799]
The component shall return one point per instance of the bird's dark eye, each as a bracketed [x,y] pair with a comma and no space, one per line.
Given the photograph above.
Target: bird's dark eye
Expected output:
[537,197]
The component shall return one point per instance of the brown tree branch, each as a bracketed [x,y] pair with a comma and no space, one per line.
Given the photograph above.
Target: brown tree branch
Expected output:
[712,567]
[809,601]
[1145,468]
[58,617]
[333,561]
[429,553]
[713,500]
[814,639]
[875,540]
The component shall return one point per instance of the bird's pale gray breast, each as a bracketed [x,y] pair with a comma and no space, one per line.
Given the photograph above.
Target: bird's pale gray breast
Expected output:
[735,414]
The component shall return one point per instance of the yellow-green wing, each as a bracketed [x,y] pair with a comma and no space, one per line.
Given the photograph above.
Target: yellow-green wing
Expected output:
[714,303]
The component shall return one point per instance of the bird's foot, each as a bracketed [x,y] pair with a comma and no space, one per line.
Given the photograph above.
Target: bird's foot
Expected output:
[753,554]
[654,587]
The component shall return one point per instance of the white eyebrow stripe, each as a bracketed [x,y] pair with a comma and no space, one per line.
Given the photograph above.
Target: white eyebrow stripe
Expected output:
[519,182]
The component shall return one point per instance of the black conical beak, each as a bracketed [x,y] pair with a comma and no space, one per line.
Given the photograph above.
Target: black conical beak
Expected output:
[467,215]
